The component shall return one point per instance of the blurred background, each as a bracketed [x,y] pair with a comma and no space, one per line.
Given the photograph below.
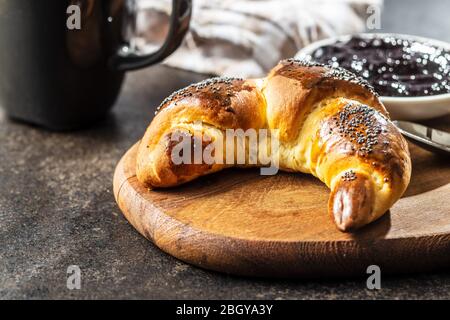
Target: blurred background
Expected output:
[247,38]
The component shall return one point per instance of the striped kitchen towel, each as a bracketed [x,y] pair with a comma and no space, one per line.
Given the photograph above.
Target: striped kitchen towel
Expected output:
[248,37]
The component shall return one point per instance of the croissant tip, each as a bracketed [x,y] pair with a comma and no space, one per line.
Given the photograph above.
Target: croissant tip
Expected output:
[345,224]
[351,203]
[345,216]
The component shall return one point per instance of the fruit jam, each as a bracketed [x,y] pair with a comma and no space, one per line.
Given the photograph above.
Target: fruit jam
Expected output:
[397,67]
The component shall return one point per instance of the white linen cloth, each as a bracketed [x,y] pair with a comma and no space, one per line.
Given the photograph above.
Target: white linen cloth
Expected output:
[248,37]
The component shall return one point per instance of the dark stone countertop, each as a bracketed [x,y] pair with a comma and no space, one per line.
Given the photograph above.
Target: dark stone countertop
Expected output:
[57,209]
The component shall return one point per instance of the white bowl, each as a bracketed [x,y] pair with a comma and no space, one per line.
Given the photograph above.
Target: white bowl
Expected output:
[400,108]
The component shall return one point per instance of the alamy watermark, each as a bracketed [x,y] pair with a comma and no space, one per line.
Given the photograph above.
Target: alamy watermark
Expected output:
[73,281]
[373,21]
[73,21]
[203,144]
[374,280]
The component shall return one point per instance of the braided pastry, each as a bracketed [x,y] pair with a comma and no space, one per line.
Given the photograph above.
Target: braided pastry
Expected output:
[329,123]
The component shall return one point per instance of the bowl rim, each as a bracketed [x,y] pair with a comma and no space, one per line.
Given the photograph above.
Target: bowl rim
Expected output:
[434,42]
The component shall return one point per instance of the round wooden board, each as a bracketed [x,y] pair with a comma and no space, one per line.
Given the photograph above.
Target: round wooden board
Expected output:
[240,222]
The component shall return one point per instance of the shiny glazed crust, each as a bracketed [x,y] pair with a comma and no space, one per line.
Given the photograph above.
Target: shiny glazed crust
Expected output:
[329,123]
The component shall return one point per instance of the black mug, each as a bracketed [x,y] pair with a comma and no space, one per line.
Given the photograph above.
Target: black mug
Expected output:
[63,76]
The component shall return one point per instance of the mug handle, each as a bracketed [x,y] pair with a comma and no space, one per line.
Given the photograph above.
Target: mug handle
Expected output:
[126,60]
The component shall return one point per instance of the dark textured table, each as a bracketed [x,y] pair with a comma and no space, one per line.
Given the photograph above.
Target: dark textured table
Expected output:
[57,208]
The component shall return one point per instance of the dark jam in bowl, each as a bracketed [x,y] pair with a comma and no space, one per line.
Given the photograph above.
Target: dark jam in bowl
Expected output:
[398,67]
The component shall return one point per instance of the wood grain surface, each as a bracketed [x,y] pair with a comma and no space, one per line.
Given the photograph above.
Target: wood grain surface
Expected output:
[240,222]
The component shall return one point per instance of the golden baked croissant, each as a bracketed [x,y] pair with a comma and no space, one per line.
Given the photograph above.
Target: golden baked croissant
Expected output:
[329,123]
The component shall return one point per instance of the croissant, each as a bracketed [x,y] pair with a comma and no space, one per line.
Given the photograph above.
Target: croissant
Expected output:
[329,123]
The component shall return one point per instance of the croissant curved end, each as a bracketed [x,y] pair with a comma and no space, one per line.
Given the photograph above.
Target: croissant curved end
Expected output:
[352,202]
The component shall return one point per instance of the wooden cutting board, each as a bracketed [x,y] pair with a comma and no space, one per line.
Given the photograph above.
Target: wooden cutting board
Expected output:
[239,222]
